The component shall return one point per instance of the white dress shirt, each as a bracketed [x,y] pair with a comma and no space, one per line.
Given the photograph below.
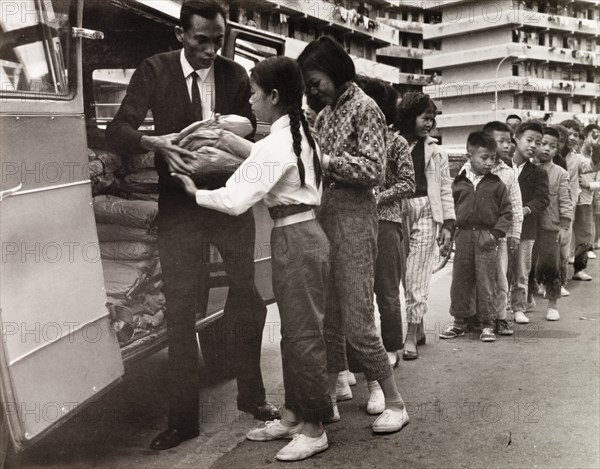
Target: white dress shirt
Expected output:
[206,84]
[269,173]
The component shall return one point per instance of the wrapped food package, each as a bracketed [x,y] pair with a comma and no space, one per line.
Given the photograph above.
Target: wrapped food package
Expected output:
[120,279]
[237,124]
[108,232]
[114,210]
[126,250]
[140,161]
[211,162]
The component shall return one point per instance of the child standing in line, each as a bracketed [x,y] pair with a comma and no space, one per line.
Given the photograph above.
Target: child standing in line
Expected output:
[351,130]
[533,182]
[554,223]
[508,246]
[483,216]
[289,170]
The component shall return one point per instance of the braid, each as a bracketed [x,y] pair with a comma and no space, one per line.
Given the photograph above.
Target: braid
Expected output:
[311,141]
[295,112]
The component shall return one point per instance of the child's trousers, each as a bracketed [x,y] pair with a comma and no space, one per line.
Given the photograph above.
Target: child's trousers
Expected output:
[548,263]
[300,262]
[475,265]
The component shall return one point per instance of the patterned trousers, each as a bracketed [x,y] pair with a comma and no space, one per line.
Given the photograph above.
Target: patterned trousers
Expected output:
[420,238]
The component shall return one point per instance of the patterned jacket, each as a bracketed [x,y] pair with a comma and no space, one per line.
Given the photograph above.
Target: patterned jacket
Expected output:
[352,133]
[399,178]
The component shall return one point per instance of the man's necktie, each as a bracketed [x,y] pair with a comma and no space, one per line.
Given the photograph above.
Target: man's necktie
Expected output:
[196,101]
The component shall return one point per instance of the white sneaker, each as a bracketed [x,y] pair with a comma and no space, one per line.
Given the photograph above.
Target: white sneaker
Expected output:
[591,255]
[390,421]
[302,447]
[335,417]
[376,404]
[350,378]
[274,430]
[571,260]
[552,315]
[520,317]
[564,291]
[581,275]
[342,388]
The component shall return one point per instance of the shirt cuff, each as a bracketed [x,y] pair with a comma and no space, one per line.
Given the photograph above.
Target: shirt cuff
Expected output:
[202,197]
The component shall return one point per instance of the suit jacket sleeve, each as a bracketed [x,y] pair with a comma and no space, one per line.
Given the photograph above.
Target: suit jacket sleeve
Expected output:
[122,133]
[541,198]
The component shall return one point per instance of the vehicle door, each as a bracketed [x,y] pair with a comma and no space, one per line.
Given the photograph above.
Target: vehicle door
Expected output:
[58,350]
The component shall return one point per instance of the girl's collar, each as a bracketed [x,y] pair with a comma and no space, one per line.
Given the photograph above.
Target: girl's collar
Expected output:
[281,123]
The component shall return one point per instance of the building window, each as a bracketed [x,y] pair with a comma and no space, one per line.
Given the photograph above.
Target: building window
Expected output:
[515,70]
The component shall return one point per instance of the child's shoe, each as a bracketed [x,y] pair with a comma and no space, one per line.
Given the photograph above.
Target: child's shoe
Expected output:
[552,314]
[503,327]
[335,417]
[274,430]
[581,275]
[302,447]
[342,388]
[591,255]
[376,404]
[520,317]
[351,378]
[487,335]
[452,331]
[391,420]
[564,291]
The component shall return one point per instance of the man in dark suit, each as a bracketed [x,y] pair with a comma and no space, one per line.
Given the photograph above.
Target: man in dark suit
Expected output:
[533,182]
[181,87]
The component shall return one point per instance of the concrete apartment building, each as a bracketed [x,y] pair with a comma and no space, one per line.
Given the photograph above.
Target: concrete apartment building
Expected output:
[539,59]
[361,26]
[410,18]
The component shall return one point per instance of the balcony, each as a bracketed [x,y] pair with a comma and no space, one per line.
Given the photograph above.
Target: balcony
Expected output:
[497,52]
[514,84]
[418,79]
[333,15]
[515,18]
[406,52]
[403,26]
[470,119]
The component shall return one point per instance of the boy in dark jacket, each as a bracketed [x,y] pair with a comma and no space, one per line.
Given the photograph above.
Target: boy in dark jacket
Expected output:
[533,182]
[483,215]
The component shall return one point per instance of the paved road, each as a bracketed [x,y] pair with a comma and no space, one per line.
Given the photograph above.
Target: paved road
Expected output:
[527,401]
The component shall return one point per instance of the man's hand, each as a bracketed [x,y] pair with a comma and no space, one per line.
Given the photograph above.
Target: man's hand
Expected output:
[187,183]
[563,237]
[512,243]
[444,239]
[526,211]
[173,154]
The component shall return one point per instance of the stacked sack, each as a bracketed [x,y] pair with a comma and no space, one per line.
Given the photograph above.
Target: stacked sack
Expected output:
[126,207]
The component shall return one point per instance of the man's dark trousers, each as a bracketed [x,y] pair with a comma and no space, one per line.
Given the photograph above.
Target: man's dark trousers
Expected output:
[183,247]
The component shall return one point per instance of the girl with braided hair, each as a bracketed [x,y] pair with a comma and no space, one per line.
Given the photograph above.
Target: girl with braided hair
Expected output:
[284,170]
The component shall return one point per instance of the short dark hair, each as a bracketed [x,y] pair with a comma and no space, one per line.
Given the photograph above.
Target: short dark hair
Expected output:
[552,132]
[514,116]
[534,125]
[481,139]
[588,128]
[208,9]
[497,126]
[572,125]
[328,56]
[382,93]
[562,131]
[413,104]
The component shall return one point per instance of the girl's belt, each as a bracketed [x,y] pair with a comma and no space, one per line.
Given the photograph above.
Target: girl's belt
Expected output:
[296,218]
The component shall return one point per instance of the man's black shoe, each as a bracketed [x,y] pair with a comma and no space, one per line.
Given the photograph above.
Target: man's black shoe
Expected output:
[264,411]
[170,438]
